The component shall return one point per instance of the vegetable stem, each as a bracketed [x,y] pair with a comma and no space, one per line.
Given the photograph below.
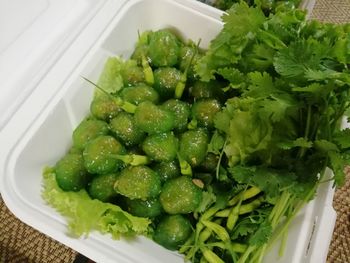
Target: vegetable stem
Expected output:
[249,193]
[185,167]
[126,106]
[132,159]
[147,71]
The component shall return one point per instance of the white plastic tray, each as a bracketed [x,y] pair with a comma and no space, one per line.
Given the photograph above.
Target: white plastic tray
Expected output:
[39,131]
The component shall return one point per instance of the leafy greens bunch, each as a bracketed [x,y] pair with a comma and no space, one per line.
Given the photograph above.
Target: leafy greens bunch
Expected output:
[268,6]
[282,129]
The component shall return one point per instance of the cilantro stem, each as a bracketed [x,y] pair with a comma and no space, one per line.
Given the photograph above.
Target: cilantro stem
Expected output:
[246,254]
[217,171]
[307,131]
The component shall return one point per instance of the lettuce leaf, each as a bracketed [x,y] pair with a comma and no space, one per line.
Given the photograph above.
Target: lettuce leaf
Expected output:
[85,214]
[111,79]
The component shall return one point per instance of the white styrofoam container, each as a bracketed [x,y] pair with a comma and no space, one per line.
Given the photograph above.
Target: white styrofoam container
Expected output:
[37,131]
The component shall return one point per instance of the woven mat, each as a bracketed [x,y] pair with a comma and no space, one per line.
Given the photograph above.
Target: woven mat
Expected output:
[338,11]
[21,244]
[339,250]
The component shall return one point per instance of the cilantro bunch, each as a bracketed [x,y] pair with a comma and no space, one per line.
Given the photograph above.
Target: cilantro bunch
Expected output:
[280,131]
[268,6]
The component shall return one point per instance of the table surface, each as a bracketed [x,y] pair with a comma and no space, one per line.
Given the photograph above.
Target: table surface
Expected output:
[21,243]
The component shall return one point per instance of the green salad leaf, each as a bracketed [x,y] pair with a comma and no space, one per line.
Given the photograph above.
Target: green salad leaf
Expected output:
[110,79]
[85,214]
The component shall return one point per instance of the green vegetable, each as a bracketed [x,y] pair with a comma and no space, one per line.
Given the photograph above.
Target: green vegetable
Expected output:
[88,130]
[139,93]
[193,146]
[268,97]
[189,54]
[172,231]
[110,79]
[132,74]
[97,155]
[124,127]
[152,119]
[85,215]
[180,196]
[205,90]
[71,174]
[292,84]
[138,182]
[161,147]
[167,170]
[165,81]
[104,108]
[163,49]
[101,187]
[181,112]
[204,112]
[144,208]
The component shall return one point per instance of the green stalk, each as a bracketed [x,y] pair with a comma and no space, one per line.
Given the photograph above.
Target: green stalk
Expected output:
[283,244]
[236,247]
[244,209]
[246,254]
[210,256]
[180,86]
[307,131]
[187,244]
[185,167]
[217,170]
[147,71]
[126,106]
[247,194]
[131,159]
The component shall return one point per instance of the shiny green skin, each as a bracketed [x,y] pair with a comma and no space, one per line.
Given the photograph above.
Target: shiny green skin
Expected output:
[186,54]
[132,73]
[104,108]
[172,231]
[97,159]
[102,187]
[180,196]
[163,48]
[181,111]
[209,163]
[126,130]
[161,147]
[139,93]
[138,182]
[140,50]
[152,119]
[204,112]
[88,130]
[211,89]
[167,170]
[71,174]
[193,146]
[165,81]
[148,208]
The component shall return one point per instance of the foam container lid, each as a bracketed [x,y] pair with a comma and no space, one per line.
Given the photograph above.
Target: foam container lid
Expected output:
[47,46]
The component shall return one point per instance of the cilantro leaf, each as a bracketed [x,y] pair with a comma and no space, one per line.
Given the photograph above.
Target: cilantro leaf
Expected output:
[262,235]
[216,143]
[271,181]
[342,138]
[338,162]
